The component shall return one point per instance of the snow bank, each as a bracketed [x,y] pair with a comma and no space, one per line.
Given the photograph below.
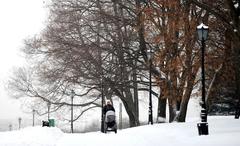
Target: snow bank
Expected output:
[31,136]
[222,131]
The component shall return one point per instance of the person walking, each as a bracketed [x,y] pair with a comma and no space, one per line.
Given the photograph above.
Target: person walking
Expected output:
[108,107]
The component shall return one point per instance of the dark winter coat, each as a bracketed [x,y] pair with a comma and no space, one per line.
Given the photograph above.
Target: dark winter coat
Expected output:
[108,107]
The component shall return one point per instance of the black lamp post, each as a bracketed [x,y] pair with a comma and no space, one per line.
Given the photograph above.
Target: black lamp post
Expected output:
[33,112]
[150,113]
[19,122]
[202,31]
[48,108]
[102,116]
[72,96]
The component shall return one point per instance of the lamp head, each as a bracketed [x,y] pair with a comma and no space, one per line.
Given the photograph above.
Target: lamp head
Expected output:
[202,31]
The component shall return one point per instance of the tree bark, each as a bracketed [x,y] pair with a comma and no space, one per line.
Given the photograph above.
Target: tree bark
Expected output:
[181,117]
[135,90]
[131,109]
[236,49]
[172,104]
[161,115]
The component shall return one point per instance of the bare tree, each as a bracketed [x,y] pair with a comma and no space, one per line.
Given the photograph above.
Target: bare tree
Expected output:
[86,44]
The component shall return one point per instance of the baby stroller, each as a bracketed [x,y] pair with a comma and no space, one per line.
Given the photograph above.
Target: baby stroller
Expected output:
[110,122]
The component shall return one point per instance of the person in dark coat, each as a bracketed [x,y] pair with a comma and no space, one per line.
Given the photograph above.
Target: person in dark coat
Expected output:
[108,107]
[109,116]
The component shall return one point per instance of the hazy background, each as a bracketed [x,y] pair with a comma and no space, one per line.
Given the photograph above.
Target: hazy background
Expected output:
[19,19]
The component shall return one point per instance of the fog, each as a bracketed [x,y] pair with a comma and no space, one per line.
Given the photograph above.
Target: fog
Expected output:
[20,19]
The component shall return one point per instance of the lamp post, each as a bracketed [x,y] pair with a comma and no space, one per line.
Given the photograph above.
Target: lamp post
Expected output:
[19,122]
[150,114]
[72,96]
[102,116]
[48,107]
[202,31]
[33,112]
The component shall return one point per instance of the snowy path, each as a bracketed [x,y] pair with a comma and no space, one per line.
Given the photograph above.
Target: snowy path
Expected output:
[224,131]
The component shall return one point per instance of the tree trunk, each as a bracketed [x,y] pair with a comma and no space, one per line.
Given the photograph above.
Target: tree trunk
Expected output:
[172,104]
[181,117]
[135,90]
[161,115]
[131,109]
[236,49]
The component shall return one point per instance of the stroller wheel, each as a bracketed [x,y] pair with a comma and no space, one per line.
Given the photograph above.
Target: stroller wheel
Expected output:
[115,130]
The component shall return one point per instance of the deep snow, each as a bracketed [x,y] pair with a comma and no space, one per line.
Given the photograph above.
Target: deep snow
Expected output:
[223,131]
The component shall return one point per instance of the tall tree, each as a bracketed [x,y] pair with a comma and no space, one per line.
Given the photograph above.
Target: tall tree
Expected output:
[88,44]
[170,27]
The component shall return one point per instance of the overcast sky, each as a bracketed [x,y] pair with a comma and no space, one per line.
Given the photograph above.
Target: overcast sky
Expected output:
[19,19]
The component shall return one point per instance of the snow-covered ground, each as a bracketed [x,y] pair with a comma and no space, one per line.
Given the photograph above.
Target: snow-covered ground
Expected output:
[223,131]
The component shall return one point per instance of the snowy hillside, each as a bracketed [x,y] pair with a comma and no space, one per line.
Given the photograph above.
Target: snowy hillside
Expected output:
[223,131]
